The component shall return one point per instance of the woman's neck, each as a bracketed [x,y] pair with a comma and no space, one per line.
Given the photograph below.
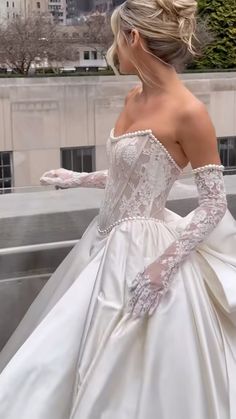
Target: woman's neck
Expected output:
[163,79]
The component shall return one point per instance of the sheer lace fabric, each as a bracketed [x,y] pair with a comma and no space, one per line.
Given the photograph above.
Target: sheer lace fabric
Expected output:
[64,179]
[90,180]
[211,209]
[141,174]
[154,281]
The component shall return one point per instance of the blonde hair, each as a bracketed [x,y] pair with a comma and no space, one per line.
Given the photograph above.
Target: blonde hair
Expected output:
[167,26]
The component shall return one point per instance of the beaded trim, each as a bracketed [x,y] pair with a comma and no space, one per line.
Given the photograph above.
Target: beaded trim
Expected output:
[138,217]
[129,134]
[209,166]
[153,139]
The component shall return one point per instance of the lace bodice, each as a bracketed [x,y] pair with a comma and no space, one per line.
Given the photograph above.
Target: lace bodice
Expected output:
[140,175]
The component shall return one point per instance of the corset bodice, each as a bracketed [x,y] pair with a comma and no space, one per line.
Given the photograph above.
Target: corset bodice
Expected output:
[140,175]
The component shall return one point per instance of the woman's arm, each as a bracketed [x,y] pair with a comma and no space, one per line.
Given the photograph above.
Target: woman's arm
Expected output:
[200,146]
[64,179]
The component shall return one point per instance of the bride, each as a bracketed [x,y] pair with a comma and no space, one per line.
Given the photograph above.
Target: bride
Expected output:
[139,320]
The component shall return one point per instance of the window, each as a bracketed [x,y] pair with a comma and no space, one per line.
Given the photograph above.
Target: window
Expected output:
[5,172]
[7,3]
[227,150]
[13,4]
[86,55]
[94,55]
[55,7]
[38,4]
[78,159]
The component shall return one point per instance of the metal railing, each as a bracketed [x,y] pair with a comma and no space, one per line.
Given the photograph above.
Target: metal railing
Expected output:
[38,247]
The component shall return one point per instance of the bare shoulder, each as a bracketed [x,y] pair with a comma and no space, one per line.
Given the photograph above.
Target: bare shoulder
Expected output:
[195,124]
[192,109]
[196,133]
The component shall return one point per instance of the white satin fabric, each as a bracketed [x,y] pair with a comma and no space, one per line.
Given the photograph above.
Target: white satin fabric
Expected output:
[77,354]
[81,356]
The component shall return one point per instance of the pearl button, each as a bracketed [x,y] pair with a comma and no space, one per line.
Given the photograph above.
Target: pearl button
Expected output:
[110,227]
[207,167]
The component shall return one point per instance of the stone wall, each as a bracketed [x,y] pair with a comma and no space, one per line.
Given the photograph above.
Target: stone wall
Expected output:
[38,116]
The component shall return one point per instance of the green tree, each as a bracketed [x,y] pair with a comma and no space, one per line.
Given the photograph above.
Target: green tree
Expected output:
[220,19]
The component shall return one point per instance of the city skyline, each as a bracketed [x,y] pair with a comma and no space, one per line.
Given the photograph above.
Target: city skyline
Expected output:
[101,5]
[62,11]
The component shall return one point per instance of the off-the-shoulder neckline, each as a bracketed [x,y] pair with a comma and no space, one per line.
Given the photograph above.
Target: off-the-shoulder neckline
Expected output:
[149,132]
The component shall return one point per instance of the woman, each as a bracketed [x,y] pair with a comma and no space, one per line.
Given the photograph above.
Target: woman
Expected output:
[139,320]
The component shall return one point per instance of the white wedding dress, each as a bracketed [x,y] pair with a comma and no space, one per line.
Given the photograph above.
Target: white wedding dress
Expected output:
[78,354]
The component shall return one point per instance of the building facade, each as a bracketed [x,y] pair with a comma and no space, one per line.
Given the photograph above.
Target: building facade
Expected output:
[72,9]
[85,5]
[9,10]
[65,122]
[34,7]
[58,10]
[62,11]
[103,5]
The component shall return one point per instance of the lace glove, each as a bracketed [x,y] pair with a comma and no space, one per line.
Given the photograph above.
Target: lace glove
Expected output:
[62,178]
[149,286]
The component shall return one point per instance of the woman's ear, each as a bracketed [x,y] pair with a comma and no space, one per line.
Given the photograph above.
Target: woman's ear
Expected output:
[134,38]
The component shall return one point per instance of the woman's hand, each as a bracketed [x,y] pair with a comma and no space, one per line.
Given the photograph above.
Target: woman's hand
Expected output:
[147,289]
[149,286]
[60,178]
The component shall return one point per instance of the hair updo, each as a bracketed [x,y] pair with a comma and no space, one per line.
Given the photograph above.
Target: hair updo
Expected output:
[167,26]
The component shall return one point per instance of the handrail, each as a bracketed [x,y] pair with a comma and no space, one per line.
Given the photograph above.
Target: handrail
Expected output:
[33,188]
[38,247]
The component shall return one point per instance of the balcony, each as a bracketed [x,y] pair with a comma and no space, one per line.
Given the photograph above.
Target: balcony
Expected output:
[39,227]
[54,122]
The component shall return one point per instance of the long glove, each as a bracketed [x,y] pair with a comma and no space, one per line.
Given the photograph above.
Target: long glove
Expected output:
[149,286]
[63,178]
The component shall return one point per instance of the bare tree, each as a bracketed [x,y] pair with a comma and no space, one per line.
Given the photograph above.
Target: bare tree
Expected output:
[97,33]
[25,41]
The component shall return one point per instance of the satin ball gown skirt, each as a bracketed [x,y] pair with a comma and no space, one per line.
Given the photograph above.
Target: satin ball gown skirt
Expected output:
[77,354]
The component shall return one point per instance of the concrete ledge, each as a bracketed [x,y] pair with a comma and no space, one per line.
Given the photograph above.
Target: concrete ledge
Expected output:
[44,228]
[22,273]
[47,216]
